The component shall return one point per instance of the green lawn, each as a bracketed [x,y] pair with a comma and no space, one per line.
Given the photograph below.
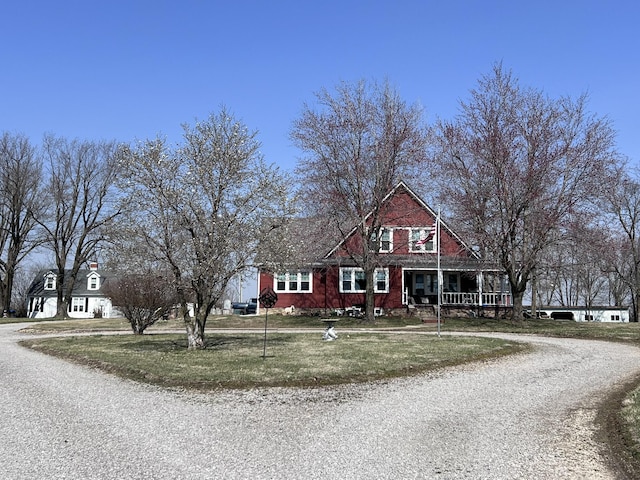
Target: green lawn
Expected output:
[235,360]
[292,359]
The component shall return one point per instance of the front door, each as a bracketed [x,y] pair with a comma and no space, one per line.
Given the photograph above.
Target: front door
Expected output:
[422,286]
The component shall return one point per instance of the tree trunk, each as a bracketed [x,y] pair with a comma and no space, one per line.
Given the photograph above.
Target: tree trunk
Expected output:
[195,329]
[62,307]
[195,335]
[6,286]
[4,301]
[634,306]
[516,313]
[63,292]
[369,298]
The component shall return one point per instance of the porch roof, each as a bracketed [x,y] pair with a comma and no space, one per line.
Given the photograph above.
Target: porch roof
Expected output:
[425,262]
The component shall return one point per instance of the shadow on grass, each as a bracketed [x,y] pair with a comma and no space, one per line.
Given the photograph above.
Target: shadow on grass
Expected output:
[178,343]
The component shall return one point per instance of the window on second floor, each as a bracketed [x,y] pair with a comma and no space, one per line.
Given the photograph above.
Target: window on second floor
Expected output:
[50,281]
[422,240]
[93,282]
[386,240]
[293,282]
[382,241]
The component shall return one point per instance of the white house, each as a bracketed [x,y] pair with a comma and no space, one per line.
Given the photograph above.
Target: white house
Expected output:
[87,297]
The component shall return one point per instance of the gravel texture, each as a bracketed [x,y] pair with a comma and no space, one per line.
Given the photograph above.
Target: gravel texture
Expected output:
[522,417]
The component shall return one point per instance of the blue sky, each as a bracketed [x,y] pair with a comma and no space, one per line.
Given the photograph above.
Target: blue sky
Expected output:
[127,70]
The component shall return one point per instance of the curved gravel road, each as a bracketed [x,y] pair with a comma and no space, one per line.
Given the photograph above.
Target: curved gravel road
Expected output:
[523,417]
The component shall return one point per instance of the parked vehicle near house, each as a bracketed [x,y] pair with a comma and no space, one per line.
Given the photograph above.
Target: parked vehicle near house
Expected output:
[252,306]
[245,308]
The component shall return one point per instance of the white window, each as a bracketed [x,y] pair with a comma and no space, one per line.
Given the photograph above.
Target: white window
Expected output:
[77,304]
[50,281]
[353,280]
[386,240]
[299,282]
[382,280]
[422,240]
[93,282]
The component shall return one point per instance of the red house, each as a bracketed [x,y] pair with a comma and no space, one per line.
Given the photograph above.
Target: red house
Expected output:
[406,280]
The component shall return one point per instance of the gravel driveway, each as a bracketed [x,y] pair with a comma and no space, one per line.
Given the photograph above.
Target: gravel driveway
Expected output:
[527,416]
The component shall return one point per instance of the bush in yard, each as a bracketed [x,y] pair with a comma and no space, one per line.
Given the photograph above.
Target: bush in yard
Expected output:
[143,299]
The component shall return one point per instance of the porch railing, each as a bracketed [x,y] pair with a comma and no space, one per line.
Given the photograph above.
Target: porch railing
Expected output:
[488,298]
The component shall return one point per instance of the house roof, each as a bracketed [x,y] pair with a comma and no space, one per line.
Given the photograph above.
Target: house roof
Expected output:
[302,242]
[315,242]
[80,287]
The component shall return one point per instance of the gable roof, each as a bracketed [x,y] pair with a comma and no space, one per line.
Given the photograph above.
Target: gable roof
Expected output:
[402,186]
[80,287]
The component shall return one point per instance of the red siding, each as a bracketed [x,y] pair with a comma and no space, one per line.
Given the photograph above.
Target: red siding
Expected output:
[326,292]
[402,211]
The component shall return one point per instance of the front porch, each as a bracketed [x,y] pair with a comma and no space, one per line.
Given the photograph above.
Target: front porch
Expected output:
[460,289]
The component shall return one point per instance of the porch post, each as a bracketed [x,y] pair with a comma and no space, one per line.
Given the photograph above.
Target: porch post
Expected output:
[480,281]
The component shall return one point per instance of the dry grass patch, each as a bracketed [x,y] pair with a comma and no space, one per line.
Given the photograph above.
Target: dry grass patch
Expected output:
[301,359]
[215,322]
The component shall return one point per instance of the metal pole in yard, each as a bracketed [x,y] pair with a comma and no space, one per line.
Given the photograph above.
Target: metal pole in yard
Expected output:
[264,345]
[438,268]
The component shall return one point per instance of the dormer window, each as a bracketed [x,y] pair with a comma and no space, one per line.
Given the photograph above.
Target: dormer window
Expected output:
[93,282]
[50,281]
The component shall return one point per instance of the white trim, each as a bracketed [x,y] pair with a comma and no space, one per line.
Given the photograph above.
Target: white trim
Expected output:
[91,276]
[352,280]
[388,230]
[288,280]
[423,232]
[78,304]
[50,276]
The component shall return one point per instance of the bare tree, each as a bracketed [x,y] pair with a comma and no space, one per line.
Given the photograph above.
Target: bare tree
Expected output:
[23,281]
[202,209]
[578,268]
[81,206]
[623,203]
[583,271]
[143,298]
[358,143]
[515,165]
[20,205]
